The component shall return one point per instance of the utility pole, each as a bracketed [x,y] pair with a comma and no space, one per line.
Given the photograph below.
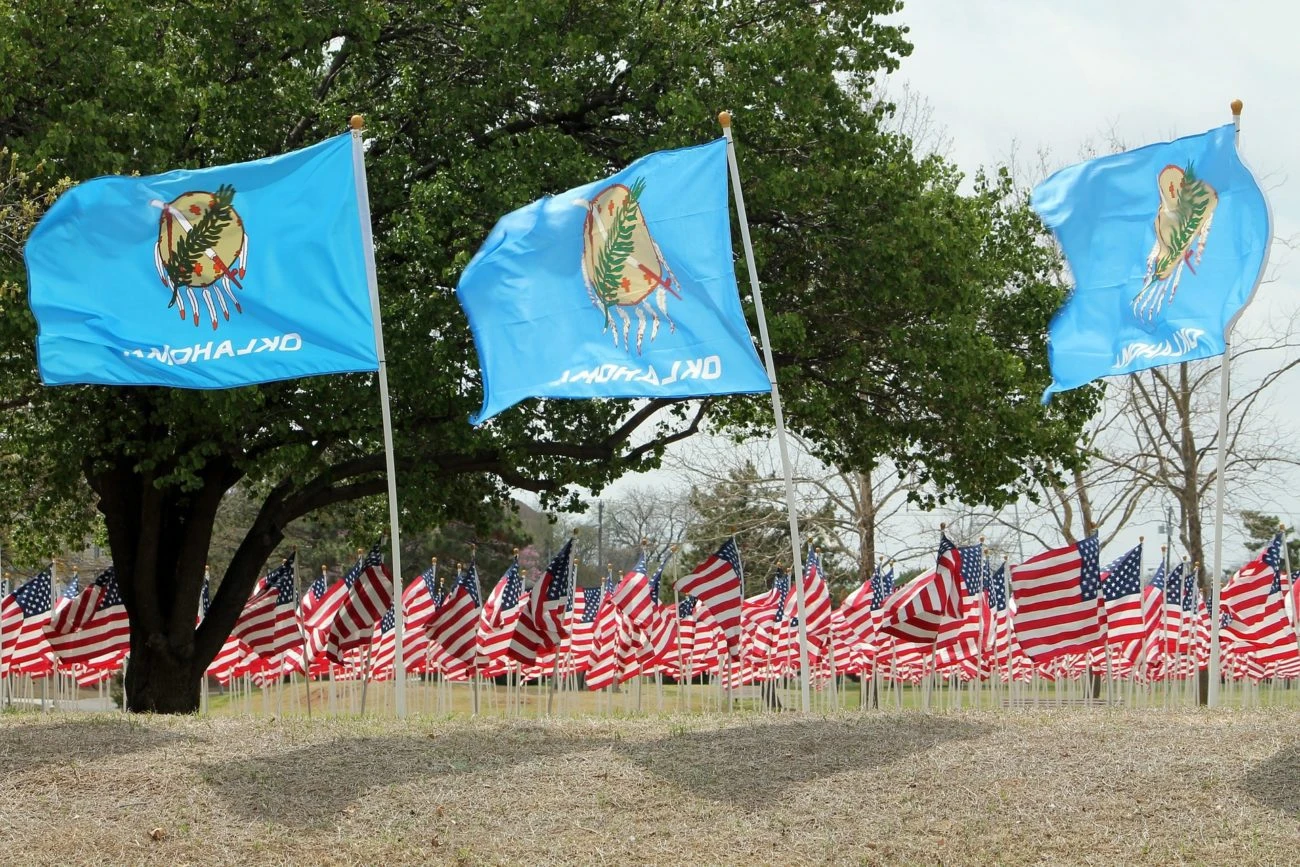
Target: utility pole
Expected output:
[1020,535]
[1169,535]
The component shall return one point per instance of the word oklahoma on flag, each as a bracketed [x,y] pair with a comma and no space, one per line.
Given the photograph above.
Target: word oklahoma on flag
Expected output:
[211,278]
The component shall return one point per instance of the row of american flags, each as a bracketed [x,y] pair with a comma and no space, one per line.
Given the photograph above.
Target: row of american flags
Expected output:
[1057,614]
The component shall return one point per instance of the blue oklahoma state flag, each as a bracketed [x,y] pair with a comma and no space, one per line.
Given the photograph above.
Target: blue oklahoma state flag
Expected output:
[1166,244]
[623,287]
[210,278]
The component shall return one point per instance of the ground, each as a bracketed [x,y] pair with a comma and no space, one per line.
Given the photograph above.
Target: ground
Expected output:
[1075,785]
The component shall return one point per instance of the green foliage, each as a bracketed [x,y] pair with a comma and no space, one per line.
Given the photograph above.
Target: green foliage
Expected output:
[912,317]
[907,576]
[471,110]
[1260,530]
[330,538]
[907,316]
[751,508]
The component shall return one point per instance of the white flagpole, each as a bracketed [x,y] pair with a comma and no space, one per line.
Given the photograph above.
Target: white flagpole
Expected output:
[1212,696]
[796,572]
[368,242]
[1286,585]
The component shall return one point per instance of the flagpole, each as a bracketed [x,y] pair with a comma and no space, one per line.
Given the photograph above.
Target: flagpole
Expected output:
[1212,696]
[1286,587]
[724,119]
[368,242]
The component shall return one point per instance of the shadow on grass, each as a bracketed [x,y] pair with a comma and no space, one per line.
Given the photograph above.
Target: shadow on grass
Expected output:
[1275,782]
[314,785]
[311,786]
[755,765]
[32,743]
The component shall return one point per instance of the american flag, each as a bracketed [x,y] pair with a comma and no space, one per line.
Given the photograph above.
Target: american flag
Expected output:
[420,601]
[269,623]
[69,593]
[1174,626]
[1255,603]
[1153,616]
[768,616]
[663,627]
[995,588]
[972,569]
[1057,599]
[23,616]
[995,593]
[636,612]
[655,580]
[383,645]
[299,657]
[1189,590]
[685,634]
[882,586]
[582,635]
[369,596]
[817,597]
[686,608]
[716,583]
[312,598]
[856,616]
[92,626]
[917,612]
[1121,584]
[949,570]
[497,618]
[319,606]
[540,627]
[451,629]
[962,639]
[774,601]
[632,596]
[601,663]
[205,597]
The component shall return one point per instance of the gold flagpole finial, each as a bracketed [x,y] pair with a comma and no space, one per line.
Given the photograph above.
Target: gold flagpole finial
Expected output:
[724,119]
[357,122]
[1236,105]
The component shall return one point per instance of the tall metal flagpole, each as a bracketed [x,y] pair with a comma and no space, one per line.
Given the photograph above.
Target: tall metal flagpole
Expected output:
[1212,695]
[796,573]
[368,242]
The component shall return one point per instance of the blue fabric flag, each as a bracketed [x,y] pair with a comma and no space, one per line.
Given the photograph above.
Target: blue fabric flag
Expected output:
[1166,244]
[210,278]
[623,287]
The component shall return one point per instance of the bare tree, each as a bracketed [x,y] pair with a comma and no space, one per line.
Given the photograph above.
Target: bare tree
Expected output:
[1099,496]
[658,518]
[1171,419]
[850,515]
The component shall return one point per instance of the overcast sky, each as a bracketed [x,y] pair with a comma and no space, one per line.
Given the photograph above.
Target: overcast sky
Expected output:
[1004,76]
[1026,75]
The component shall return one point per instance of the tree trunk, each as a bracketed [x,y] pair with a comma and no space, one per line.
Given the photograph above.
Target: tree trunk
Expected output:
[157,681]
[159,538]
[1189,502]
[1085,503]
[866,527]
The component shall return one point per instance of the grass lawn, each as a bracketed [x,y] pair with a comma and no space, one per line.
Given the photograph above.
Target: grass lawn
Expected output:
[1075,786]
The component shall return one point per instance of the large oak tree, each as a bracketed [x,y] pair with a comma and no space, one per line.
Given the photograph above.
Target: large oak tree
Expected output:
[908,315]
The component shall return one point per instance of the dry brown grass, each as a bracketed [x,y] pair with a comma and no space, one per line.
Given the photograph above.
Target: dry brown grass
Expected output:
[1076,787]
